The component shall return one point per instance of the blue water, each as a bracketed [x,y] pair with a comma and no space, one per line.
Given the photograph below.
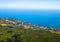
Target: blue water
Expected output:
[49,18]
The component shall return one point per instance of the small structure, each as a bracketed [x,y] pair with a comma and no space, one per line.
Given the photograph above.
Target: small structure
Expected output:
[26,26]
[4,24]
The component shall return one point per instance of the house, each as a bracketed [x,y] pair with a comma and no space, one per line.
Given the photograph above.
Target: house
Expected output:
[26,27]
[4,24]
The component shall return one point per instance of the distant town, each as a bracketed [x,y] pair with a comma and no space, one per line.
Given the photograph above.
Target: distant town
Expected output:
[9,22]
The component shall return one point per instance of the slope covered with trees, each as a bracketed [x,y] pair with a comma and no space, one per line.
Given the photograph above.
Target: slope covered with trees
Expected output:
[12,30]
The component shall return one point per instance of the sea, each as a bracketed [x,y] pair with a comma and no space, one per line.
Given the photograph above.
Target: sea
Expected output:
[49,18]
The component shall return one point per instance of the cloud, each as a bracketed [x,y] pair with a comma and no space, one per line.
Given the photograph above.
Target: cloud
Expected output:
[30,5]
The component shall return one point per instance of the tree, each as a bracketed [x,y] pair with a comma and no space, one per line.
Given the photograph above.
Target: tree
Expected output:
[17,37]
[9,40]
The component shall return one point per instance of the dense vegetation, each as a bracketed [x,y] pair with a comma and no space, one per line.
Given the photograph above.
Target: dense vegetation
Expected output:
[11,30]
[19,34]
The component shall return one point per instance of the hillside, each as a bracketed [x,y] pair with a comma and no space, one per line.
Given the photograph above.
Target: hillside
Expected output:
[13,30]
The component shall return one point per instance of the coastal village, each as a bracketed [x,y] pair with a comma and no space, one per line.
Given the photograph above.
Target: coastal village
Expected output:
[7,22]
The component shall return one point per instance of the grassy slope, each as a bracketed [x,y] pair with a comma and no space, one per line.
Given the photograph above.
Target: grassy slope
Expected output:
[18,34]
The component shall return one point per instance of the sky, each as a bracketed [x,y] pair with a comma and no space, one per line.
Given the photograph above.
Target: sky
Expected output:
[30,4]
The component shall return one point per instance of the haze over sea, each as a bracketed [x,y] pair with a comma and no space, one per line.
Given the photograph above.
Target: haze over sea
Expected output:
[49,18]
